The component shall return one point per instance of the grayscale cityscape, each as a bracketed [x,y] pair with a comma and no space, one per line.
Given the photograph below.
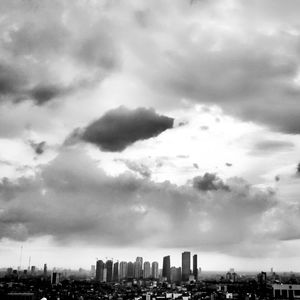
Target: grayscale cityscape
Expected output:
[149,149]
[144,280]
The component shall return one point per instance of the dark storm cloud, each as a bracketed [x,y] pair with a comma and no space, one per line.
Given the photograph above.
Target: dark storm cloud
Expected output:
[121,127]
[209,182]
[43,94]
[72,199]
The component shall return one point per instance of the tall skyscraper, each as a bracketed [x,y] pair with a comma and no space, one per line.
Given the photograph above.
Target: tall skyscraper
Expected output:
[45,270]
[109,271]
[116,272]
[155,270]
[186,265]
[123,270]
[99,270]
[147,269]
[195,266]
[130,270]
[175,274]
[167,268]
[138,270]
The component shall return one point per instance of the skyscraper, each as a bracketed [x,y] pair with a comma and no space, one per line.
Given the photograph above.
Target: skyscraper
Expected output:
[109,270]
[146,269]
[123,270]
[167,268]
[195,266]
[116,272]
[130,270]
[99,270]
[45,270]
[138,270]
[155,270]
[186,265]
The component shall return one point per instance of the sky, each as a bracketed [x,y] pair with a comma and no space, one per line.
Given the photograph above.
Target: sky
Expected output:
[149,128]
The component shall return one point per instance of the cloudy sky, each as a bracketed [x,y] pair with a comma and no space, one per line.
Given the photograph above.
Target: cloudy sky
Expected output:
[148,128]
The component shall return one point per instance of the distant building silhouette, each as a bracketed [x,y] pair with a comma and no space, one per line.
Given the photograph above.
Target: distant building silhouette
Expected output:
[138,270]
[175,275]
[195,266]
[45,270]
[116,272]
[109,271]
[147,270]
[130,270]
[123,270]
[186,265]
[99,270]
[166,273]
[155,270]
[55,278]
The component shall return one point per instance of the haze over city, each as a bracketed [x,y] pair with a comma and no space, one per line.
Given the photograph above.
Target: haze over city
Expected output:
[149,128]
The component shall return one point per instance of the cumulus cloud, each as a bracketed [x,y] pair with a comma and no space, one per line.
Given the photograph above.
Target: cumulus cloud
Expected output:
[209,182]
[72,199]
[137,167]
[49,51]
[121,127]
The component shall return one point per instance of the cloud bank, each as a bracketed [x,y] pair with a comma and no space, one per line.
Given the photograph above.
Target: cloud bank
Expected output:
[73,200]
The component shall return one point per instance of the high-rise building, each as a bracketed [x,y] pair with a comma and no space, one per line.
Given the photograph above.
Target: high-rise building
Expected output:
[155,270]
[116,272]
[93,270]
[99,270]
[147,272]
[130,270]
[138,270]
[195,266]
[109,270]
[175,274]
[32,270]
[45,270]
[104,274]
[166,273]
[186,265]
[55,278]
[123,270]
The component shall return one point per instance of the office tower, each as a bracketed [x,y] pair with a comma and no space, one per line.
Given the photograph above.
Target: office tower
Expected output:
[186,265]
[45,270]
[104,274]
[138,270]
[166,273]
[116,272]
[147,272]
[155,270]
[175,274]
[109,270]
[99,270]
[123,270]
[32,270]
[55,278]
[130,270]
[195,266]
[93,270]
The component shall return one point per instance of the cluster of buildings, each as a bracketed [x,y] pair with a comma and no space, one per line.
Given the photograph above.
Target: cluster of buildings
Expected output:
[115,272]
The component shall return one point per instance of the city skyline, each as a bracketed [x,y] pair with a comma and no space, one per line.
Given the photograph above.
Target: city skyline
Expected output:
[148,128]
